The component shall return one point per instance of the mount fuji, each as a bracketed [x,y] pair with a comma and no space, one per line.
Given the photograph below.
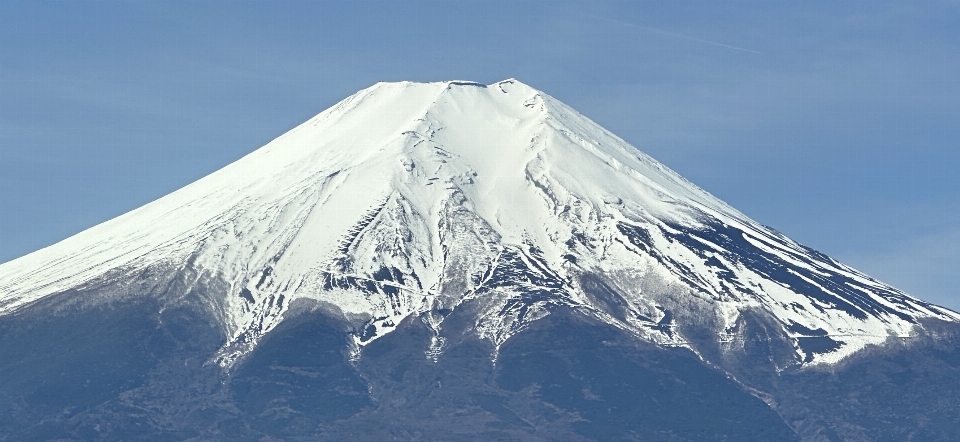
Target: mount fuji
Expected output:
[460,261]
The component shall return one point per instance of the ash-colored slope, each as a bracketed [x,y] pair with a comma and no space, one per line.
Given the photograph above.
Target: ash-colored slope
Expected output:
[411,199]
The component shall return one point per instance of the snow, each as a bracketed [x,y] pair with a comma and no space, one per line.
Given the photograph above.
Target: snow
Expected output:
[435,181]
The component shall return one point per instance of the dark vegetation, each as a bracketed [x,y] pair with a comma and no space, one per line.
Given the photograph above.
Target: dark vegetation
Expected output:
[123,371]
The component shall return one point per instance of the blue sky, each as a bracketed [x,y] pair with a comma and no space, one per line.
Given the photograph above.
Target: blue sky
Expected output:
[836,123]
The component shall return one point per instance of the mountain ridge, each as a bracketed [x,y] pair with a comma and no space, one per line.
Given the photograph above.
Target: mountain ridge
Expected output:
[458,261]
[411,198]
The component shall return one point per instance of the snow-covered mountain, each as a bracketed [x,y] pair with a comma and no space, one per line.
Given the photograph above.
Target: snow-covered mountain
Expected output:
[408,199]
[458,261]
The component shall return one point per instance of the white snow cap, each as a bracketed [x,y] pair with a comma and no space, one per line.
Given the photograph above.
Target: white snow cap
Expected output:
[378,180]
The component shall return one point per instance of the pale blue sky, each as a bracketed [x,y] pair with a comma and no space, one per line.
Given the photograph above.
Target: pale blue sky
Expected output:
[834,122]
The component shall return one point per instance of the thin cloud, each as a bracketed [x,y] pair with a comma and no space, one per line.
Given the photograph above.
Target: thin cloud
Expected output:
[676,35]
[924,267]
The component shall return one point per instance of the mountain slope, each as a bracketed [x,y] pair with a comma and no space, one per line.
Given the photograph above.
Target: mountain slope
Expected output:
[455,221]
[408,198]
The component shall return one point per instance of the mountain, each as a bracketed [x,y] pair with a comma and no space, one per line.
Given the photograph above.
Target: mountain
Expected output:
[453,260]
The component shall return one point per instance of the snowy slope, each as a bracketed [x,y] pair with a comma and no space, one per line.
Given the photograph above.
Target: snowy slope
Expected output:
[411,199]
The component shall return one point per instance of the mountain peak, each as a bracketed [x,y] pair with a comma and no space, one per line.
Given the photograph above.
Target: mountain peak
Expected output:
[409,199]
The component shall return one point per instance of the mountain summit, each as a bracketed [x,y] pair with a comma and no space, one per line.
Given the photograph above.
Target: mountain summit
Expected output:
[410,198]
[472,213]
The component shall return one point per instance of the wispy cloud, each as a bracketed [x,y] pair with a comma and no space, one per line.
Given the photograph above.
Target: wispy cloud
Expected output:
[924,267]
[676,35]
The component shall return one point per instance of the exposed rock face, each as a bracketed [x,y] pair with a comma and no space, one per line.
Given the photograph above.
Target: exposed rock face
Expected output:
[456,260]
